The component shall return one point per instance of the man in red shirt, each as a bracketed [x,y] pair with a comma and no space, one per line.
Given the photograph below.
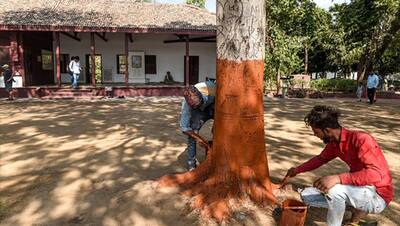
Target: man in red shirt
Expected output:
[367,188]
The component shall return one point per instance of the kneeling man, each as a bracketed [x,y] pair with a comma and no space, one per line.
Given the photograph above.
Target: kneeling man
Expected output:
[367,188]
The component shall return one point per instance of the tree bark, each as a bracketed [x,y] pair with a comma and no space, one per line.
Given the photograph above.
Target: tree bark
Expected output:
[236,164]
[365,66]
[306,58]
[278,79]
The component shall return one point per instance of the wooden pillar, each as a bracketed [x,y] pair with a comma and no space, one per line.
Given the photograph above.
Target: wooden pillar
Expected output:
[126,59]
[56,37]
[21,58]
[93,58]
[13,50]
[187,62]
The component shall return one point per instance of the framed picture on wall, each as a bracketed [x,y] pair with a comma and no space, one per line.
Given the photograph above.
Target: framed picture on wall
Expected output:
[136,61]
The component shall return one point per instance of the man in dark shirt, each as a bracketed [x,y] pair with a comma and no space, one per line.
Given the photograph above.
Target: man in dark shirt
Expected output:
[367,188]
[8,80]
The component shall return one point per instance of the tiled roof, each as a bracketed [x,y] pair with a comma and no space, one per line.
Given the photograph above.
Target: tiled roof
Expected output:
[102,14]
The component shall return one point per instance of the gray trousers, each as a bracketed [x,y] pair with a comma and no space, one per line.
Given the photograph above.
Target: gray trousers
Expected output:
[197,120]
[363,198]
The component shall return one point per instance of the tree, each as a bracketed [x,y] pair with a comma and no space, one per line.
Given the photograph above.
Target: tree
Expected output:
[236,164]
[370,27]
[282,42]
[198,3]
[389,62]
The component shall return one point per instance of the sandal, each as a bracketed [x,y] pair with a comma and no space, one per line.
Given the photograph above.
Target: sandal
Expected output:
[363,223]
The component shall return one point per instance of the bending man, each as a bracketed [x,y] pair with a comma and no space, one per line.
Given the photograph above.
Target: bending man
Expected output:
[197,108]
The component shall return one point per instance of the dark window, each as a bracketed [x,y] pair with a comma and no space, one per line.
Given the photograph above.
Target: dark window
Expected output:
[150,64]
[121,65]
[64,61]
[4,55]
[47,60]
[4,39]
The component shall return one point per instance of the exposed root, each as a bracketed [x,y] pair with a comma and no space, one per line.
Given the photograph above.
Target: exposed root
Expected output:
[187,178]
[213,188]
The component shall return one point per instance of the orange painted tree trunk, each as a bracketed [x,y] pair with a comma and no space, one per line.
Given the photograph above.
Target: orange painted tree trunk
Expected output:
[236,164]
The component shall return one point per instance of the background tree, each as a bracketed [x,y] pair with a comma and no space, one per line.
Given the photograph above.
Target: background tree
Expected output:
[351,36]
[310,23]
[389,63]
[282,46]
[370,27]
[236,164]
[198,3]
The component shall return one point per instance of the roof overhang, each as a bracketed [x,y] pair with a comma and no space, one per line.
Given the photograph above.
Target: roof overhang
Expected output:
[7,27]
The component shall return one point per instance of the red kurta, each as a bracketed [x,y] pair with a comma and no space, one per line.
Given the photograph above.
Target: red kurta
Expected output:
[363,155]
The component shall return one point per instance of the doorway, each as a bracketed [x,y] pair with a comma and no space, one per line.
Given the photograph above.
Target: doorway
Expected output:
[193,69]
[38,55]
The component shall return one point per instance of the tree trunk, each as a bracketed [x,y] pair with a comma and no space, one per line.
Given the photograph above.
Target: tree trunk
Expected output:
[306,58]
[236,164]
[364,66]
[278,80]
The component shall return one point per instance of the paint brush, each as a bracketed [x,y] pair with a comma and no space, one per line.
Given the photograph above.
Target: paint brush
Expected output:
[326,196]
[284,181]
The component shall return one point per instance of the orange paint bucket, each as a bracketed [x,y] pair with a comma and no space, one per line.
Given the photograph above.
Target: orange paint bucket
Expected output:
[293,213]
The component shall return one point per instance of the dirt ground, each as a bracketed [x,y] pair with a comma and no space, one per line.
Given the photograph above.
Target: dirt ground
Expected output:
[93,162]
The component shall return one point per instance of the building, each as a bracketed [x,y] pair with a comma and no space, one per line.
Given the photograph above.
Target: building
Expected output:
[37,38]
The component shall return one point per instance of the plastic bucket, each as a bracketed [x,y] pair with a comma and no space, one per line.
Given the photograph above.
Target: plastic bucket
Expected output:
[293,213]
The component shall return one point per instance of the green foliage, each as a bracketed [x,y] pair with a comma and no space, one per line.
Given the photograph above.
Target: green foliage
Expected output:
[366,26]
[283,45]
[298,33]
[336,85]
[198,3]
[390,61]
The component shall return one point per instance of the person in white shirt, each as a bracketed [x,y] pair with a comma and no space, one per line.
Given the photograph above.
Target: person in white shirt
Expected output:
[75,68]
[360,90]
[372,84]
[70,68]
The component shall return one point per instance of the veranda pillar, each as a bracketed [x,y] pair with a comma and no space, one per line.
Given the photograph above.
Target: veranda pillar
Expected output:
[187,60]
[93,58]
[126,59]
[56,37]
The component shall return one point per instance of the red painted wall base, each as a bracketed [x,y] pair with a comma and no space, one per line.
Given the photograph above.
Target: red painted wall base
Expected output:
[39,92]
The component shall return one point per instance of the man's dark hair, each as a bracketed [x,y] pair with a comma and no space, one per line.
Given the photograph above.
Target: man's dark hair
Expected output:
[322,117]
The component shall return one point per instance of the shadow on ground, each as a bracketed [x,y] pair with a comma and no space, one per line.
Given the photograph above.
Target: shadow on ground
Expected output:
[91,163]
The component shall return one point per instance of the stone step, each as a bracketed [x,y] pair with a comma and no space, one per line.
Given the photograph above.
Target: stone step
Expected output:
[72,97]
[69,94]
[73,90]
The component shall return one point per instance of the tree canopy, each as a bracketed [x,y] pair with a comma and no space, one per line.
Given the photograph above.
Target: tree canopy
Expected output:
[198,3]
[361,35]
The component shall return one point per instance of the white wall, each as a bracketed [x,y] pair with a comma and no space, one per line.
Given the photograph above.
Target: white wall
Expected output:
[170,56]
[16,84]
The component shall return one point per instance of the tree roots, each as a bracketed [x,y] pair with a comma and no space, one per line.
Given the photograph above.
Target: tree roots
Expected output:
[213,188]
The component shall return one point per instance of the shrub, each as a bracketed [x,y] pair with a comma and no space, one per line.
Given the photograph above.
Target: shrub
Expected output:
[336,85]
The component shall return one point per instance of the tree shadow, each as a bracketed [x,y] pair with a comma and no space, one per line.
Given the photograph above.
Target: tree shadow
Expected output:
[92,162]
